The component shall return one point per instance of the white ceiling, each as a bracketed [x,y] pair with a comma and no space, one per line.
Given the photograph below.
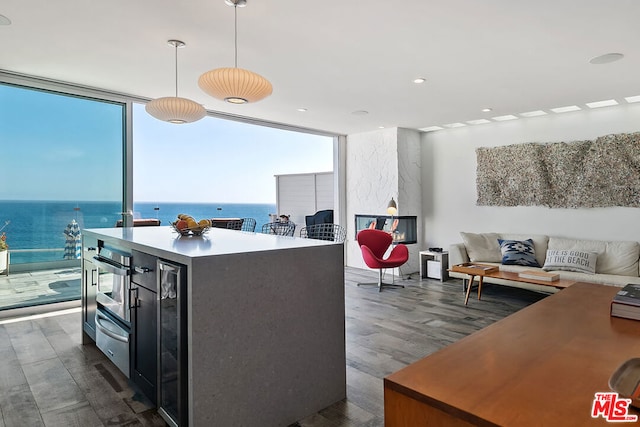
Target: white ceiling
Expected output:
[335,57]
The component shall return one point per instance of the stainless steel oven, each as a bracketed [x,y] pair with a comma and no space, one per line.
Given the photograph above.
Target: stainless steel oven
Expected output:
[114,282]
[113,311]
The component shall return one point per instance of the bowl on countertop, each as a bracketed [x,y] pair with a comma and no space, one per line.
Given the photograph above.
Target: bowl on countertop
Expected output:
[190,231]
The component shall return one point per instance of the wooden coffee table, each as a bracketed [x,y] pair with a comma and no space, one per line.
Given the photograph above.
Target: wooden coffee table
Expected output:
[486,270]
[538,367]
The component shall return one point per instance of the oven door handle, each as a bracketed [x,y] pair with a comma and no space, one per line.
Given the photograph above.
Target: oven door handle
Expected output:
[111,268]
[99,319]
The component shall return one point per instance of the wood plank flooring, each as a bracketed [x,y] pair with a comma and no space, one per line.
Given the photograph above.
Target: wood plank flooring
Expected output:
[47,378]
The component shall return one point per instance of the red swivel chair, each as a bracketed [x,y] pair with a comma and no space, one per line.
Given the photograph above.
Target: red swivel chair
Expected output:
[374,244]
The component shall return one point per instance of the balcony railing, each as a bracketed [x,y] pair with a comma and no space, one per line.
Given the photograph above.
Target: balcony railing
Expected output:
[21,260]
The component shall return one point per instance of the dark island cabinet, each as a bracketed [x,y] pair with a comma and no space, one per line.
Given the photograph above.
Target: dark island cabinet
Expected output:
[144,313]
[89,289]
[173,393]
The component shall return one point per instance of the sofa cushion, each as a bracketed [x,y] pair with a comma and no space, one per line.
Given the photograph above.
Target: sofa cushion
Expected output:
[482,247]
[616,257]
[569,260]
[540,243]
[518,252]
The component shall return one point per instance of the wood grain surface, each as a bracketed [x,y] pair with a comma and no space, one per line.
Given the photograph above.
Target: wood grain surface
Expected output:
[538,367]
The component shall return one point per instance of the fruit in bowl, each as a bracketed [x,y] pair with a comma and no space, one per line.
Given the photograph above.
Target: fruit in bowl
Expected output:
[186,225]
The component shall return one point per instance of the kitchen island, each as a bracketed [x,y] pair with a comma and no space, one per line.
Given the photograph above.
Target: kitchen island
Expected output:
[262,321]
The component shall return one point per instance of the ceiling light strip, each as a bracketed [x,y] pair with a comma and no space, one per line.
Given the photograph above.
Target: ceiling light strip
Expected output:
[566,109]
[504,118]
[600,104]
[536,113]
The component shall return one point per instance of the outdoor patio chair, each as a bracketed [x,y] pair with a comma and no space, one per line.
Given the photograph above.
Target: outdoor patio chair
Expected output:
[235,224]
[332,232]
[279,228]
[248,224]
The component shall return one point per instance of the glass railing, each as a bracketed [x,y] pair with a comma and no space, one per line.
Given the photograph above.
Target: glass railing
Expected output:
[36,285]
[32,260]
[43,266]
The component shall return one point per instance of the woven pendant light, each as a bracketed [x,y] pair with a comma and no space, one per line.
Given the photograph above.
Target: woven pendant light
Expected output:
[174,109]
[235,85]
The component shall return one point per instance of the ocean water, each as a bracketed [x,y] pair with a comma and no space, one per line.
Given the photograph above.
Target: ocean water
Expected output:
[39,226]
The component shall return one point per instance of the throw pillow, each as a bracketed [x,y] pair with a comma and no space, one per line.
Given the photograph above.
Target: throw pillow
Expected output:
[482,247]
[579,261]
[518,252]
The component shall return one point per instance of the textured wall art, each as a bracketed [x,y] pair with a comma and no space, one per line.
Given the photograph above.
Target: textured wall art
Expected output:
[599,173]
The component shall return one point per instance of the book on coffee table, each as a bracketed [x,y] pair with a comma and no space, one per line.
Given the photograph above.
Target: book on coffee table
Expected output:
[626,303]
[539,275]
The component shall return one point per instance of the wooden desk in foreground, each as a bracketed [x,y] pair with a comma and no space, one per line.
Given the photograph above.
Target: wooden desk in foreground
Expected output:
[538,367]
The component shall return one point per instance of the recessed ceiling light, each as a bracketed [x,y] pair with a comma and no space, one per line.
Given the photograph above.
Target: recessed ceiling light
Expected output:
[504,118]
[566,109]
[632,99]
[302,110]
[380,127]
[533,113]
[478,122]
[606,58]
[454,125]
[598,104]
[431,128]
[360,113]
[486,110]
[4,20]
[420,80]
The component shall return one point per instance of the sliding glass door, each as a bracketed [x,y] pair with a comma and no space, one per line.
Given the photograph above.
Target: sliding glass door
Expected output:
[61,170]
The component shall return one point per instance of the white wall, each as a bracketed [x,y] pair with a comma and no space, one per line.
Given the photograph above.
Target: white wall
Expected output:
[409,175]
[380,165]
[372,178]
[449,179]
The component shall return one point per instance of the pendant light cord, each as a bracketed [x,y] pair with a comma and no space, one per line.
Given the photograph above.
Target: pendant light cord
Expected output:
[175,45]
[235,36]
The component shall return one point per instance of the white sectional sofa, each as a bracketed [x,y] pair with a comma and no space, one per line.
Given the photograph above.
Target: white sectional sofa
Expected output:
[617,262]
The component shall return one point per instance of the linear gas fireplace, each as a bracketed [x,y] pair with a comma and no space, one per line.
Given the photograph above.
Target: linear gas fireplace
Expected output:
[402,228]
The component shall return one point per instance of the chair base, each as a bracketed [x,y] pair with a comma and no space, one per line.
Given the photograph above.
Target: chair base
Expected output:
[380,284]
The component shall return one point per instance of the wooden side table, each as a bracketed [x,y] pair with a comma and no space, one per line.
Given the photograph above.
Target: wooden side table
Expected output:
[441,270]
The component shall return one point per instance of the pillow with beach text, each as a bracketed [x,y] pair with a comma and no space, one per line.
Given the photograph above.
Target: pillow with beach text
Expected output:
[579,261]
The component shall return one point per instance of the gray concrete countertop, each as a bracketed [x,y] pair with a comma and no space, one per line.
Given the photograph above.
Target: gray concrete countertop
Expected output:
[164,241]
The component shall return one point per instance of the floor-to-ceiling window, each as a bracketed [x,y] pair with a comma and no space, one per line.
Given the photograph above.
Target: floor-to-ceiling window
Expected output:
[62,171]
[217,167]
[67,165]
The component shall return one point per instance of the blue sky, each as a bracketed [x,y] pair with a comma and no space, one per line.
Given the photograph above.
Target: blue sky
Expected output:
[53,147]
[216,160]
[62,148]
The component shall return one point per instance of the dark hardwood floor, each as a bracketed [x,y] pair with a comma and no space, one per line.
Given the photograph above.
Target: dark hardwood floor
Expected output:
[47,378]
